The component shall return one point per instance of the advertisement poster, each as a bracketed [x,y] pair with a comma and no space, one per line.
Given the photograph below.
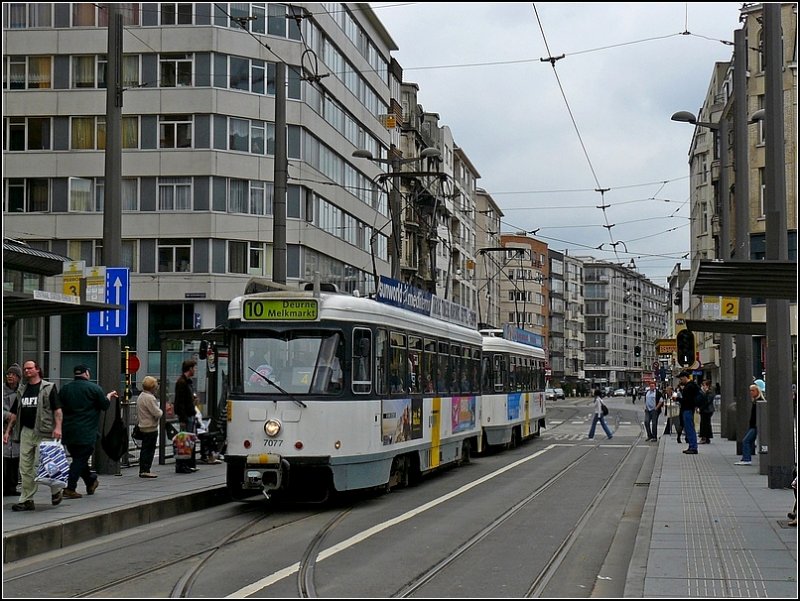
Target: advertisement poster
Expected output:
[463,413]
[401,420]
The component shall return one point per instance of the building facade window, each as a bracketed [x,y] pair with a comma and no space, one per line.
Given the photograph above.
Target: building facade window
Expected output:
[176,70]
[31,195]
[28,133]
[174,255]
[174,193]
[29,72]
[176,13]
[175,131]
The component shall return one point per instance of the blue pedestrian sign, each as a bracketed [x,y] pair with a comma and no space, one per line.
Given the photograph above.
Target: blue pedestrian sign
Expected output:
[112,323]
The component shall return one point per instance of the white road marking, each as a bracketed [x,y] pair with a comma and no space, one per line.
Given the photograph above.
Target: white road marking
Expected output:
[361,536]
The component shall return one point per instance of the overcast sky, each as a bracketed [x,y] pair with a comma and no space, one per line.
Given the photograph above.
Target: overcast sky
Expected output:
[544,139]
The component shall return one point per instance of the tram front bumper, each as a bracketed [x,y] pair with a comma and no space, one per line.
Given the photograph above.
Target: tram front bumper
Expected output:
[266,471]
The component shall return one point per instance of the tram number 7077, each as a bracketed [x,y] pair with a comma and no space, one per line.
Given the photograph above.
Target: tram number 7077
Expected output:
[270,442]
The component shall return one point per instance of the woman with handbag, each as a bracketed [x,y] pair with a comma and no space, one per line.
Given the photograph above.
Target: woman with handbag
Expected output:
[149,414]
[599,414]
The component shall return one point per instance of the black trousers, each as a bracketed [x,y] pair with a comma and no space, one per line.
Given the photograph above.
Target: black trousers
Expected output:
[10,475]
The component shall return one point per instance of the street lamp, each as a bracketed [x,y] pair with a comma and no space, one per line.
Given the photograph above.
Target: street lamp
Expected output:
[726,370]
[394,197]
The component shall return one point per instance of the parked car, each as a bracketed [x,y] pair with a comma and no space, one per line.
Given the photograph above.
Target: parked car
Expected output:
[549,394]
[620,392]
[560,393]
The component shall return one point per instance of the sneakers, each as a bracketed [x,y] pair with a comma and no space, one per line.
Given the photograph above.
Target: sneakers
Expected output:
[147,475]
[56,498]
[72,494]
[26,506]
[743,463]
[93,486]
[690,451]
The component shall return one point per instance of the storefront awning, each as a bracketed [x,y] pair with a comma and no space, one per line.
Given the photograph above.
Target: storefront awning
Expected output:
[20,305]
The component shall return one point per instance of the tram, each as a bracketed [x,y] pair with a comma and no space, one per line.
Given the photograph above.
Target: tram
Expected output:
[335,392]
[512,399]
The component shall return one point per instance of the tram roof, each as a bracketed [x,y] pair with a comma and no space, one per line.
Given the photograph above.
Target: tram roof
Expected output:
[499,344]
[353,309]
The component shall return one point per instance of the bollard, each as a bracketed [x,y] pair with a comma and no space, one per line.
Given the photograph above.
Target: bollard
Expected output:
[762,440]
[731,433]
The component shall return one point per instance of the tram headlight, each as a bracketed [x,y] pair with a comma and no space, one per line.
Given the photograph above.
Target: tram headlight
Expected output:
[272,427]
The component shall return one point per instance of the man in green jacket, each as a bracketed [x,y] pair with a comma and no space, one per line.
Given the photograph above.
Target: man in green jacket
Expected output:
[81,402]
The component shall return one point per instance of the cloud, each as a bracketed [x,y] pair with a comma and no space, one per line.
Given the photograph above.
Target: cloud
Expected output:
[627,69]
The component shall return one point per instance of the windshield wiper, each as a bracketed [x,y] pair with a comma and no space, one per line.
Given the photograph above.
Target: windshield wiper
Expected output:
[271,383]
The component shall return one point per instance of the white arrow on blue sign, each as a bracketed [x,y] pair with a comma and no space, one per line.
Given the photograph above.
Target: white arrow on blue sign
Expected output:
[112,323]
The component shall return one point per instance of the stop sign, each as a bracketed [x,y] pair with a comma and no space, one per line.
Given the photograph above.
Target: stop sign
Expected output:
[133,364]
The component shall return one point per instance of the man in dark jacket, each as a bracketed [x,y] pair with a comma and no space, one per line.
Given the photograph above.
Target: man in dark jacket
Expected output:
[185,397]
[81,402]
[689,403]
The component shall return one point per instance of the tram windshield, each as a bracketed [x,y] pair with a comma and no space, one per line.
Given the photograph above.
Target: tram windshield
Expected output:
[294,362]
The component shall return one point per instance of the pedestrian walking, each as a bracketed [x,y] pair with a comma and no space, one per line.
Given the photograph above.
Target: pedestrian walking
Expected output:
[148,415]
[35,417]
[690,394]
[653,401]
[749,440]
[11,449]
[706,411]
[81,402]
[598,415]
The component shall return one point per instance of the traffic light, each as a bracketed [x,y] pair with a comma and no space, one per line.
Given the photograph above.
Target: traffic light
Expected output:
[684,341]
[637,351]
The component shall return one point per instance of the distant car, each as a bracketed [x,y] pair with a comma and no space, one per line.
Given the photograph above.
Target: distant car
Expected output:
[620,392]
[560,393]
[549,394]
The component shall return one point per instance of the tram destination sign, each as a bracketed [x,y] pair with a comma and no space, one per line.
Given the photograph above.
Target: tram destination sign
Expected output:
[255,309]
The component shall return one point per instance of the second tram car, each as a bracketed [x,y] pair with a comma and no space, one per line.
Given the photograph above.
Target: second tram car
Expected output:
[512,391]
[333,392]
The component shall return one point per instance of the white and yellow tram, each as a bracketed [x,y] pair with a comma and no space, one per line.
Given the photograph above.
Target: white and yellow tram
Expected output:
[333,392]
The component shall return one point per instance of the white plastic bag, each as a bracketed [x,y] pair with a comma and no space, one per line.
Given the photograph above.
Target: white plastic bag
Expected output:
[53,467]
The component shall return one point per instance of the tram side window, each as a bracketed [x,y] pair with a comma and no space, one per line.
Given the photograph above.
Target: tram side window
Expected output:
[523,374]
[381,361]
[429,366]
[512,373]
[499,372]
[415,364]
[443,367]
[488,375]
[362,352]
[454,376]
[466,370]
[476,370]
[398,363]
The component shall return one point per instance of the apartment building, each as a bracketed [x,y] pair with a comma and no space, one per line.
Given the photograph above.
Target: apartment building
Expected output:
[198,138]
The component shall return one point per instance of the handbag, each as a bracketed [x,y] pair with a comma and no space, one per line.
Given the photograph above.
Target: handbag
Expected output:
[53,468]
[673,409]
[603,408]
[137,433]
